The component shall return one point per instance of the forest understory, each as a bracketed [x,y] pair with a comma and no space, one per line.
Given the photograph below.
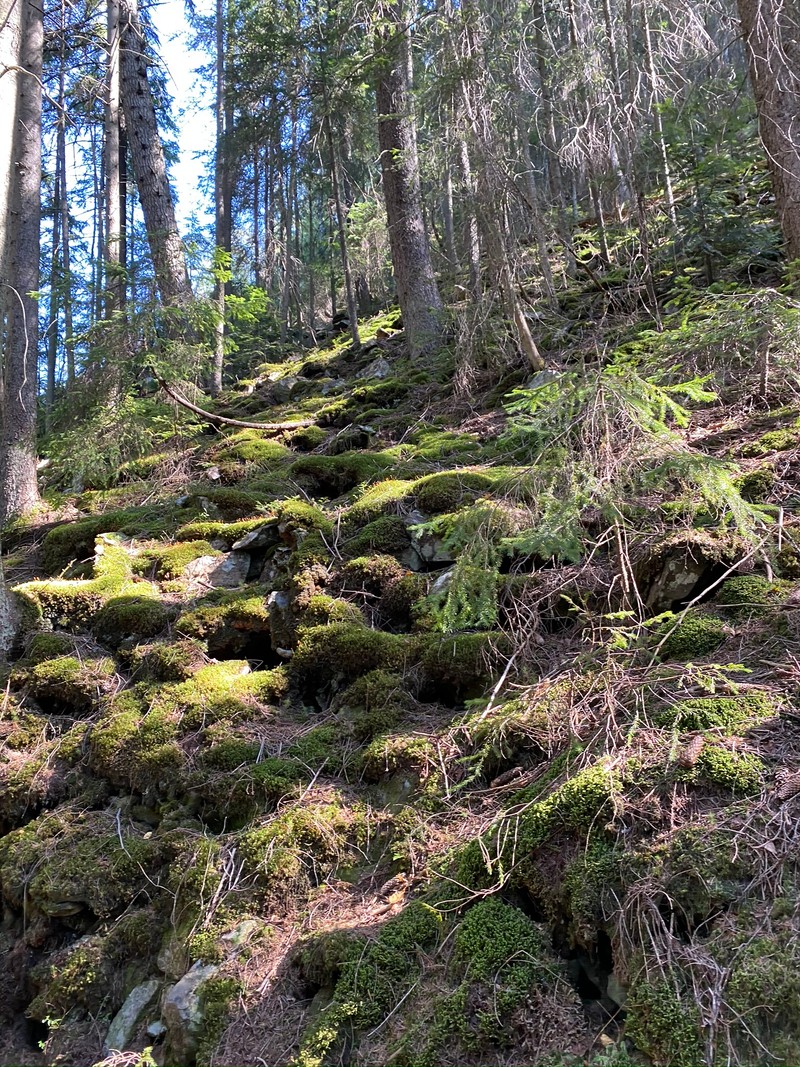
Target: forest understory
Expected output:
[457,725]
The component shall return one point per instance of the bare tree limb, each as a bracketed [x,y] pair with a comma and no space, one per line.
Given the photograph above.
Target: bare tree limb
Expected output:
[209,416]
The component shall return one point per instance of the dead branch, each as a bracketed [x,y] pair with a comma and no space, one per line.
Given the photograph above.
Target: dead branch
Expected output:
[173,394]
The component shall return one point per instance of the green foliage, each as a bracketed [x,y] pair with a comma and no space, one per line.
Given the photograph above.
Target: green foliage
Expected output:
[664,1024]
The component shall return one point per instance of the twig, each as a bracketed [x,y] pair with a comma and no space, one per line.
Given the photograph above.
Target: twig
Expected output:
[209,416]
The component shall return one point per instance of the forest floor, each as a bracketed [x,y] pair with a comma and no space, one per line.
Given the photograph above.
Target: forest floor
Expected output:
[458,725]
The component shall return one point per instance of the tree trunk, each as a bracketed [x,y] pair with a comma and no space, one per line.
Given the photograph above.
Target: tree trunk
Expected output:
[8,618]
[770,33]
[21,40]
[222,229]
[417,292]
[115,216]
[352,309]
[147,154]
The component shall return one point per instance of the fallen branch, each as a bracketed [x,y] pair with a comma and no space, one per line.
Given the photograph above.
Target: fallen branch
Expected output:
[209,416]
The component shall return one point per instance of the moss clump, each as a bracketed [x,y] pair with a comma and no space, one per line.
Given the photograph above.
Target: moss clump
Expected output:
[43,647]
[580,805]
[248,446]
[230,504]
[78,685]
[764,986]
[226,691]
[137,748]
[301,845]
[317,747]
[167,661]
[75,857]
[374,977]
[226,533]
[387,535]
[752,595]
[449,490]
[345,650]
[696,635]
[74,604]
[333,475]
[130,616]
[297,514]
[375,703]
[307,438]
[226,620]
[459,662]
[372,574]
[729,714]
[663,1024]
[407,752]
[755,486]
[322,610]
[69,542]
[216,999]
[736,772]
[170,561]
[383,498]
[772,441]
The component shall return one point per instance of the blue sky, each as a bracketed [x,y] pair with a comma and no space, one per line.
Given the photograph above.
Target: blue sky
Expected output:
[193,103]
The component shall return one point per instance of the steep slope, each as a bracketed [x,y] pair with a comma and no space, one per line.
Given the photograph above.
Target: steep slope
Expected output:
[436,731]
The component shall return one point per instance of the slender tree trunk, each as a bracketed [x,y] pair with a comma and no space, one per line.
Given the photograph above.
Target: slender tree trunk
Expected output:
[350,296]
[770,31]
[66,272]
[8,617]
[147,154]
[417,291]
[21,42]
[256,216]
[471,233]
[658,125]
[115,217]
[221,204]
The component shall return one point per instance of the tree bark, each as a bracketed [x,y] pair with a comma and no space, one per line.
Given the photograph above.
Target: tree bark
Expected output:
[150,171]
[417,291]
[115,215]
[349,291]
[222,228]
[21,41]
[771,37]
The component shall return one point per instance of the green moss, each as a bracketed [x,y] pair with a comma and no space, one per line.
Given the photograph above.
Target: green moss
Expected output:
[167,661]
[345,650]
[756,486]
[387,535]
[496,942]
[43,647]
[459,662]
[226,619]
[738,772]
[664,1025]
[74,604]
[231,504]
[333,475]
[449,490]
[248,446]
[72,542]
[130,616]
[372,574]
[752,595]
[225,532]
[772,441]
[695,636]
[216,999]
[307,438]
[226,691]
[135,747]
[383,498]
[76,856]
[170,561]
[582,804]
[374,703]
[730,714]
[77,684]
[317,747]
[764,986]
[321,609]
[374,978]
[295,514]
[407,752]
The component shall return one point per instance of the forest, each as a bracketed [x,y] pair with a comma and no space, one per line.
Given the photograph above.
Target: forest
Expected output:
[400,559]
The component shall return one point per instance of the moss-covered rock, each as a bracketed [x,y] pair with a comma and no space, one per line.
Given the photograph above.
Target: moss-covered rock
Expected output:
[387,535]
[131,616]
[455,664]
[663,1021]
[228,620]
[752,595]
[333,475]
[346,651]
[74,685]
[170,561]
[249,446]
[689,637]
[449,490]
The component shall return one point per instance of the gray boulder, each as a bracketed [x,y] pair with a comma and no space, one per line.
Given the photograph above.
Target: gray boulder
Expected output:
[182,1013]
[126,1022]
[219,572]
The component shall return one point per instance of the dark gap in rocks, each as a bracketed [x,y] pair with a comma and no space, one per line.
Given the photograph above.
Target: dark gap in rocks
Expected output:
[254,646]
[35,1033]
[702,589]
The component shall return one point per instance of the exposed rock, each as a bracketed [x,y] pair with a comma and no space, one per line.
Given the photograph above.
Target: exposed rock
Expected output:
[173,959]
[542,377]
[410,558]
[281,622]
[215,572]
[125,1022]
[332,385]
[380,368]
[443,581]
[156,1030]
[182,1013]
[263,537]
[431,548]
